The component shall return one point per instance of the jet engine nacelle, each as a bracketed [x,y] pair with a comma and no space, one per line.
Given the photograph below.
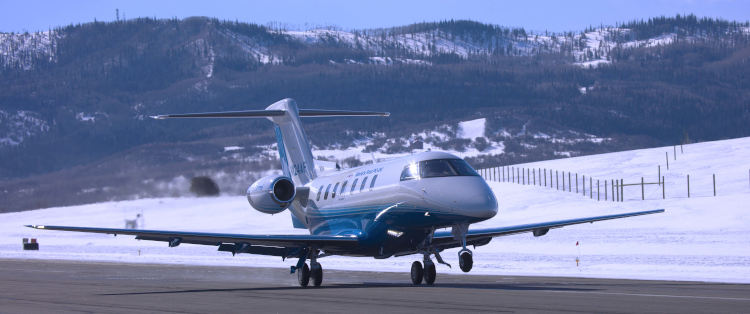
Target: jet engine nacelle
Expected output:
[271,194]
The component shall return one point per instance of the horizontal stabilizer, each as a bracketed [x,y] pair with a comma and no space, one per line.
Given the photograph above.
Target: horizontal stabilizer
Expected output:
[340,113]
[274,113]
[225,114]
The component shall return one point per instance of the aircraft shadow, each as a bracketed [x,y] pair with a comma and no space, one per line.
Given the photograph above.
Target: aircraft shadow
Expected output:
[366,285]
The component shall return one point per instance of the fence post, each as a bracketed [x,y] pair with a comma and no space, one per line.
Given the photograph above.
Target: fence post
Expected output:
[643,195]
[533,171]
[576,182]
[622,190]
[658,177]
[666,155]
[675,152]
[597,190]
[591,187]
[583,185]
[528,176]
[569,189]
[615,191]
[539,171]
[557,179]
[605,190]
[688,182]
[681,151]
[545,177]
[714,184]
[563,180]
[663,187]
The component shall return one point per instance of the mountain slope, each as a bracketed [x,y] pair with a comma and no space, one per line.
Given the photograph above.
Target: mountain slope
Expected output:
[74,107]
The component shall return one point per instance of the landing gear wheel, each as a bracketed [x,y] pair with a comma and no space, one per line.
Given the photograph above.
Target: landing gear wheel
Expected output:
[316,273]
[303,275]
[429,273]
[416,273]
[465,260]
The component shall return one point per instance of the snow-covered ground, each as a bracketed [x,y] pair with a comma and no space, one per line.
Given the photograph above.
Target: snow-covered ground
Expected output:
[702,238]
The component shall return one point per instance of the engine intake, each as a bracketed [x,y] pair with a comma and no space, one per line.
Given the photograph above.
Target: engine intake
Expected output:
[271,194]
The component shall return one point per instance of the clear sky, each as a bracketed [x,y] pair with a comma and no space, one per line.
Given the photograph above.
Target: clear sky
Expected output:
[538,15]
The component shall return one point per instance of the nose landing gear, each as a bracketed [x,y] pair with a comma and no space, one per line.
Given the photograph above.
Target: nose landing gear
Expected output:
[465,260]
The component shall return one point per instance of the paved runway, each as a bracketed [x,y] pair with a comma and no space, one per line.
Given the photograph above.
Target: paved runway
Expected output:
[31,286]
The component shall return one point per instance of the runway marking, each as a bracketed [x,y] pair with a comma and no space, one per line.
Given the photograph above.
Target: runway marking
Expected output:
[657,295]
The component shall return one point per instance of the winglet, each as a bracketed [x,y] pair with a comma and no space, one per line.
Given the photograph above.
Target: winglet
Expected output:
[35,226]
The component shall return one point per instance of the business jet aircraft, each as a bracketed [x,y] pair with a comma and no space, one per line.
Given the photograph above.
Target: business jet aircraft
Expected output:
[392,208]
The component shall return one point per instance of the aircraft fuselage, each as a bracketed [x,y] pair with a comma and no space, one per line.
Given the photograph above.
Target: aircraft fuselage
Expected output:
[394,206]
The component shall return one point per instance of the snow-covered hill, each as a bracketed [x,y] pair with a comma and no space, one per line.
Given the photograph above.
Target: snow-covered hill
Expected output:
[698,238]
[23,50]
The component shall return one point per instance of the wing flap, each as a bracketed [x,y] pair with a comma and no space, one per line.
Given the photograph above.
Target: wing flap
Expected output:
[445,238]
[205,238]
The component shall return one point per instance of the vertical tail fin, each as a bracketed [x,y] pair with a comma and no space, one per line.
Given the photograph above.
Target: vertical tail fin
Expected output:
[293,145]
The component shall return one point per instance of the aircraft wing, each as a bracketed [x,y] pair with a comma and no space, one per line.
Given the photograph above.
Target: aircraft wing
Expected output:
[444,239]
[276,245]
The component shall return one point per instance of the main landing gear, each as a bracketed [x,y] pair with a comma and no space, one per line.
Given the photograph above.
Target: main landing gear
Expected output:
[305,273]
[426,273]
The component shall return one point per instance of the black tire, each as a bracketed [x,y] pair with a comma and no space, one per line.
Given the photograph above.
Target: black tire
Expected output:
[465,261]
[429,273]
[416,273]
[303,276]
[316,273]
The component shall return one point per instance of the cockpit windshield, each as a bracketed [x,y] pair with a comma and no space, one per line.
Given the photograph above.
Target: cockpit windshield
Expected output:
[437,168]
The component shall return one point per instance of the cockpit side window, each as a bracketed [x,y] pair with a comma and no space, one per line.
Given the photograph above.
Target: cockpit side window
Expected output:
[362,187]
[410,172]
[372,183]
[320,190]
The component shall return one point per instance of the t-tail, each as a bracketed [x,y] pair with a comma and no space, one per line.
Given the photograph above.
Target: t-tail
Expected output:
[293,144]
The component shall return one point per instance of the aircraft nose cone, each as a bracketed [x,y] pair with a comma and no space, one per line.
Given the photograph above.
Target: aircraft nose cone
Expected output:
[467,196]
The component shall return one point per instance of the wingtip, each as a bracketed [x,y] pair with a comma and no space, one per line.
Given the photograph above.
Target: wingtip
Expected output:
[386,114]
[159,117]
[35,226]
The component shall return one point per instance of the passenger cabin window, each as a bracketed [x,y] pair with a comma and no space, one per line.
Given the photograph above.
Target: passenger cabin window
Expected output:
[372,183]
[343,186]
[325,197]
[333,193]
[354,185]
[320,190]
[362,187]
[437,168]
